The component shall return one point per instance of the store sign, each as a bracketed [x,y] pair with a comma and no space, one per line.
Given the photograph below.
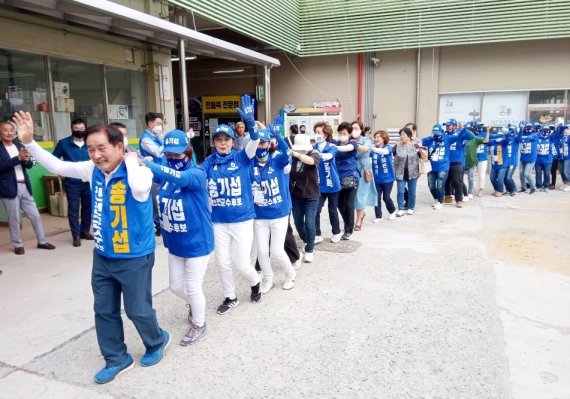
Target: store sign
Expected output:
[501,109]
[220,104]
[463,107]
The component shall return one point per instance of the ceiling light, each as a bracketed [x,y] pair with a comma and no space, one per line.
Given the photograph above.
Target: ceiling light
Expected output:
[228,70]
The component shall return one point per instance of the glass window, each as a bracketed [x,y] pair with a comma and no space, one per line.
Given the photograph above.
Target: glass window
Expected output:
[127,98]
[78,93]
[546,106]
[23,87]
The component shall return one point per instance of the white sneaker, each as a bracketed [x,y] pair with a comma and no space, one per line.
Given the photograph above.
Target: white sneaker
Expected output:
[563,187]
[377,220]
[289,281]
[466,198]
[566,189]
[434,204]
[318,239]
[470,196]
[336,237]
[267,285]
[297,264]
[400,213]
[392,216]
[410,212]
[437,206]
[308,257]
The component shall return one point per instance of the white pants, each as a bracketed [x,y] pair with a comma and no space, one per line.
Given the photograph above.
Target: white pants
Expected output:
[273,230]
[481,174]
[233,243]
[186,278]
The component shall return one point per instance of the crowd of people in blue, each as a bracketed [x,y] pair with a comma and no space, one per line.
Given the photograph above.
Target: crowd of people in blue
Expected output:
[241,198]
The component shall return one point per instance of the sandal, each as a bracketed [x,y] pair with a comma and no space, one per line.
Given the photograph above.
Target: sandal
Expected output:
[358,226]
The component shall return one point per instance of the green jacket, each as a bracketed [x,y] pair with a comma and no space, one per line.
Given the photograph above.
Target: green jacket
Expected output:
[471,151]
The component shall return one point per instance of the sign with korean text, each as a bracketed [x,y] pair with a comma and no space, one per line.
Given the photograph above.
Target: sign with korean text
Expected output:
[220,104]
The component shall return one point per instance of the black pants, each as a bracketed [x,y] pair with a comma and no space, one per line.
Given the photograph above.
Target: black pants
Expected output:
[553,171]
[384,191]
[454,182]
[346,207]
[290,248]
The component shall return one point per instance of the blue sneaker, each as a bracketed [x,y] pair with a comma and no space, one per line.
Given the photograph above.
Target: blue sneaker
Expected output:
[151,358]
[108,374]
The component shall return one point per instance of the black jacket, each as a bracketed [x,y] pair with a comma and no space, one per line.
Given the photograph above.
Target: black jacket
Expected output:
[8,182]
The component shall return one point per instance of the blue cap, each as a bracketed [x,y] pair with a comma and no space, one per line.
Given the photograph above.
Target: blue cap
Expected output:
[175,142]
[264,135]
[451,121]
[469,125]
[223,129]
[437,129]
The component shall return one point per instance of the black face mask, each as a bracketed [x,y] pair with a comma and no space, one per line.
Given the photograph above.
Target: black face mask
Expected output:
[78,134]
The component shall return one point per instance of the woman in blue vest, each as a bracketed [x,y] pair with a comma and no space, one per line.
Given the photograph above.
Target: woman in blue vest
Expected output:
[186,227]
[500,161]
[528,148]
[329,182]
[544,158]
[347,166]
[124,242]
[229,177]
[384,175]
[272,206]
[366,194]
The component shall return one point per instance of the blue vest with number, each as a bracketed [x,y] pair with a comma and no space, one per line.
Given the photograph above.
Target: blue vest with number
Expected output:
[122,226]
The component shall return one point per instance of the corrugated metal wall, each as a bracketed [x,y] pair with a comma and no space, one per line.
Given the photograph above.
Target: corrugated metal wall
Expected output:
[310,27]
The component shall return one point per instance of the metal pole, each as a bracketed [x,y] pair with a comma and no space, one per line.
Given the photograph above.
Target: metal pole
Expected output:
[267,84]
[183,86]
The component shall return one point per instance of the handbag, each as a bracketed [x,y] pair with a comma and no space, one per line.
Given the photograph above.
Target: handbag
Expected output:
[347,182]
[425,166]
[368,176]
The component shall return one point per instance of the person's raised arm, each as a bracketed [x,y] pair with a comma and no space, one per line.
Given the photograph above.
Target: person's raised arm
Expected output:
[247,114]
[139,177]
[78,170]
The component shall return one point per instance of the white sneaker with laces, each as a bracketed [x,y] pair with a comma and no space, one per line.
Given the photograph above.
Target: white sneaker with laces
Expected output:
[434,204]
[289,281]
[410,212]
[392,216]
[470,196]
[308,257]
[267,285]
[400,213]
[336,237]
[437,206]
[466,198]
[318,239]
[377,220]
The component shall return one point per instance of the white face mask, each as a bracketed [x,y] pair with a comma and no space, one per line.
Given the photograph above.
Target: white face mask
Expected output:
[319,138]
[566,132]
[157,130]
[343,139]
[356,133]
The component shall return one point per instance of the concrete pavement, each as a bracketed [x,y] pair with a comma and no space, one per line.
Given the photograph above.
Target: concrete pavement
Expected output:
[456,303]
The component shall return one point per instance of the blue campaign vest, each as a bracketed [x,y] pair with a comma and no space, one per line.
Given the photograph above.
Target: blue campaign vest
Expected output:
[185,219]
[329,181]
[529,148]
[229,187]
[382,166]
[500,154]
[274,184]
[122,226]
[147,135]
[544,151]
[346,162]
[438,150]
[564,147]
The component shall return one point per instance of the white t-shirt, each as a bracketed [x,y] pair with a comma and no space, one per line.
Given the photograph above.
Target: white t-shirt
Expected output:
[13,152]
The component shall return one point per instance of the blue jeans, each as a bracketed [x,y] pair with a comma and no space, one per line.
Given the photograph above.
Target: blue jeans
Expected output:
[304,215]
[471,179]
[564,169]
[498,179]
[436,183]
[525,175]
[133,278]
[411,185]
[509,181]
[384,190]
[78,195]
[542,170]
[333,212]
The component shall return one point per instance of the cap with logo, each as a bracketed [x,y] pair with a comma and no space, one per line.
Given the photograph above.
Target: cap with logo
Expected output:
[175,142]
[223,129]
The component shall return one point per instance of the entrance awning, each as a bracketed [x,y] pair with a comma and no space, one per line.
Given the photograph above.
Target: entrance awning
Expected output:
[116,19]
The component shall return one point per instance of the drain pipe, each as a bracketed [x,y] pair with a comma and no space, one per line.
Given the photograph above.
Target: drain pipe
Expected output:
[418,67]
[359,104]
